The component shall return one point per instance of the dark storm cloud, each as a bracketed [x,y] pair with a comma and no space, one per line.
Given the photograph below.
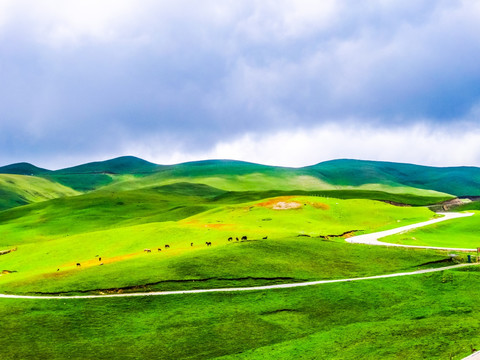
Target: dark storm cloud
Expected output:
[91,81]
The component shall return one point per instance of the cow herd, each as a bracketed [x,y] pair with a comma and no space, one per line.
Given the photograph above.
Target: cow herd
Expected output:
[244,238]
[167,246]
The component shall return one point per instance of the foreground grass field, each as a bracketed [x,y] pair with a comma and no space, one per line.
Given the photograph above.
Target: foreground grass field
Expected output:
[432,316]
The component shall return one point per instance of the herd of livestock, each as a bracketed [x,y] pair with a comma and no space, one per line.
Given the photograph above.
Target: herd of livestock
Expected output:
[166,246]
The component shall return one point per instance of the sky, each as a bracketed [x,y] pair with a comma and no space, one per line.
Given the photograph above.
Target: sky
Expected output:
[285,82]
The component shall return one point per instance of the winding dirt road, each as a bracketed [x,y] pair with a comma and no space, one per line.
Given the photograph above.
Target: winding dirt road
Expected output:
[370,239]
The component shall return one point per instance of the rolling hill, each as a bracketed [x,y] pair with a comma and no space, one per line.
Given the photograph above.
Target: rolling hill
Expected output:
[459,181]
[16,190]
[22,169]
[133,226]
[354,178]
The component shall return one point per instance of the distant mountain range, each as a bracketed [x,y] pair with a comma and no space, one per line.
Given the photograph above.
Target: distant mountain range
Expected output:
[458,181]
[131,173]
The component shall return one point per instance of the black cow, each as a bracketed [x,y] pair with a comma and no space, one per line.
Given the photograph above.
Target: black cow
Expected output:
[230,239]
[78,264]
[208,243]
[167,246]
[244,237]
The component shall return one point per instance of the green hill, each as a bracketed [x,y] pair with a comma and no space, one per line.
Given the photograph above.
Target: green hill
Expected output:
[119,166]
[223,224]
[128,173]
[22,169]
[16,190]
[354,177]
[459,181]
[94,175]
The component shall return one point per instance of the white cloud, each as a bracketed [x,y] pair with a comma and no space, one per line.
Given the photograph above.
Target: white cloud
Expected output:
[418,144]
[264,81]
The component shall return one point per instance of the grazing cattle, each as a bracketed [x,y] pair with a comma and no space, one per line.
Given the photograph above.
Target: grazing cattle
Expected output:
[191,244]
[236,238]
[167,246]
[99,259]
[147,250]
[265,237]
[101,264]
[78,264]
[208,243]
[58,269]
[230,239]
[244,237]
[159,249]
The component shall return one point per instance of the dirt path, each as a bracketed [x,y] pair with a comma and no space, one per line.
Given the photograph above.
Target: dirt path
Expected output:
[252,288]
[371,239]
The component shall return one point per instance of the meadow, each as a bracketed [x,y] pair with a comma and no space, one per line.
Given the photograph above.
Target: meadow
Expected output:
[126,226]
[418,317]
[454,233]
[294,244]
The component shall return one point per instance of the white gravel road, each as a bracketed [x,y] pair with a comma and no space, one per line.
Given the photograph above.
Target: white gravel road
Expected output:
[372,239]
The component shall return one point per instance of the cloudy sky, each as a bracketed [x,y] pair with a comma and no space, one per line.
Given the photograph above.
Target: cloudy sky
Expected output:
[275,82]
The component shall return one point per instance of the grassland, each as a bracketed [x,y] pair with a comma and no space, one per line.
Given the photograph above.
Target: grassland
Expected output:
[295,222]
[17,190]
[299,243]
[456,233]
[430,316]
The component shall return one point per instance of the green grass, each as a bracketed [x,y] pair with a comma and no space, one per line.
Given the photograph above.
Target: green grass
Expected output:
[118,226]
[17,190]
[243,176]
[95,175]
[410,317]
[460,181]
[96,211]
[431,316]
[455,233]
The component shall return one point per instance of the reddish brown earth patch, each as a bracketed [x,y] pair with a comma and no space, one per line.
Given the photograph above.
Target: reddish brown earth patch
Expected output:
[270,203]
[319,205]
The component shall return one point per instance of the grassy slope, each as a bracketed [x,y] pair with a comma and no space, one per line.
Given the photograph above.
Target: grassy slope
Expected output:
[422,317]
[243,176]
[459,233]
[91,176]
[22,169]
[101,210]
[432,316]
[453,180]
[52,236]
[257,178]
[18,190]
[237,175]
